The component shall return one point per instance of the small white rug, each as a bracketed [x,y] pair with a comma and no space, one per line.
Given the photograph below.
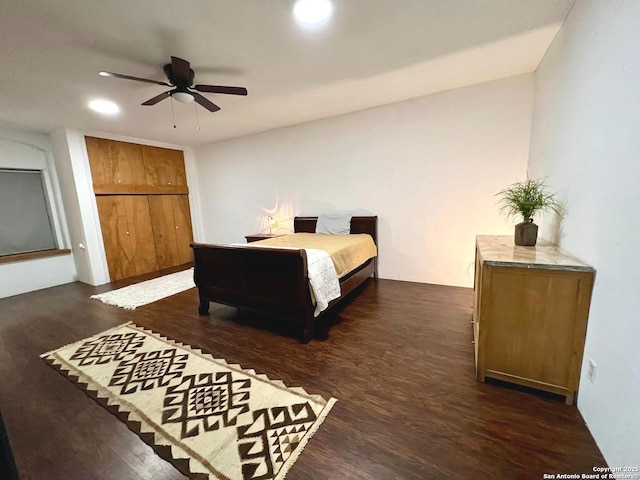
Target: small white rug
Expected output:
[147,292]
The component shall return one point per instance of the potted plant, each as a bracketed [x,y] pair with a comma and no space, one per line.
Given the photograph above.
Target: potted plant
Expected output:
[526,199]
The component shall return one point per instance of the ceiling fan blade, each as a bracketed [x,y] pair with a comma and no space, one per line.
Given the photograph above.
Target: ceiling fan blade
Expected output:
[181,71]
[129,77]
[221,89]
[158,98]
[212,107]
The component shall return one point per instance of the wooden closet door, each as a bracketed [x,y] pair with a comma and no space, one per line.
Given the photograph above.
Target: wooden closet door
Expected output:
[184,233]
[171,221]
[115,234]
[164,167]
[141,229]
[115,163]
[164,230]
[127,235]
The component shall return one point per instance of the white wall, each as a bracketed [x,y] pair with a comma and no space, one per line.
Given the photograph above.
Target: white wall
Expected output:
[77,191]
[586,138]
[428,167]
[20,149]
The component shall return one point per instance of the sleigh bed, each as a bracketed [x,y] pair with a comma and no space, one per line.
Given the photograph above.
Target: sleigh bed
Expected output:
[273,280]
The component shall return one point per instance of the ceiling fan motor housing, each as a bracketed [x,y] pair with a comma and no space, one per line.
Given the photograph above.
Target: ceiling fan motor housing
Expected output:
[168,71]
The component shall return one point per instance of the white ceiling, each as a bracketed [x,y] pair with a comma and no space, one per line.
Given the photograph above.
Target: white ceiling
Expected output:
[373,52]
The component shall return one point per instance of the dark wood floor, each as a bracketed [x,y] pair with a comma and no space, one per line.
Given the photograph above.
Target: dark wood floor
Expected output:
[399,359]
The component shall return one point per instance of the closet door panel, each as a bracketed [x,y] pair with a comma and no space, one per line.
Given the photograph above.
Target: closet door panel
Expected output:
[141,233]
[100,161]
[164,167]
[128,166]
[115,163]
[116,237]
[184,234]
[164,228]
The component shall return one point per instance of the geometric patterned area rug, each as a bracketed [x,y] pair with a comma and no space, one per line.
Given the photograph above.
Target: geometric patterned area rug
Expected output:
[211,419]
[150,291]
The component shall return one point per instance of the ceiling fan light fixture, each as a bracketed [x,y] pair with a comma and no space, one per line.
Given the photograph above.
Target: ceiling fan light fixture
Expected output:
[182,97]
[104,106]
[312,12]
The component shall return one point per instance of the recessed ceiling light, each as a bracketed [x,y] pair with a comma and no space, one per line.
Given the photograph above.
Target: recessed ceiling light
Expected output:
[312,12]
[104,106]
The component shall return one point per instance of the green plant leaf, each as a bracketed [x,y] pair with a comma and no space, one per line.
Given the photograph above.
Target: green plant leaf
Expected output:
[526,199]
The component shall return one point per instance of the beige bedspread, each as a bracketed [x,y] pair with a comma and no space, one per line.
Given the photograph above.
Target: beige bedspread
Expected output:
[347,251]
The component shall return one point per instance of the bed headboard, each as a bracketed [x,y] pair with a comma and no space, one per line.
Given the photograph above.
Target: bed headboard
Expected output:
[367,224]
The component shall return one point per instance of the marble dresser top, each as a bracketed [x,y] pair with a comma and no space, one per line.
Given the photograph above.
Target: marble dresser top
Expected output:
[501,250]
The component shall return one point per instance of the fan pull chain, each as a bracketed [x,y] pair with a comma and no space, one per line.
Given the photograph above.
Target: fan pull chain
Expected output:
[173,113]
[195,106]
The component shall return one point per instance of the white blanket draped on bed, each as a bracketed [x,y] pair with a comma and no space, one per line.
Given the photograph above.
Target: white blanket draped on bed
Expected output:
[323,278]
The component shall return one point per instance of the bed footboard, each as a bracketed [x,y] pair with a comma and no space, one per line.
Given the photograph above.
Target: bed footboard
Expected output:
[268,280]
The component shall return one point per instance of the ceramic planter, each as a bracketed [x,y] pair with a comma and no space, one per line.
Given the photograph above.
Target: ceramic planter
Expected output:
[526,233]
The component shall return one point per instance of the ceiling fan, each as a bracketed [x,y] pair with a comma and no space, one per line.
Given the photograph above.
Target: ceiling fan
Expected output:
[180,76]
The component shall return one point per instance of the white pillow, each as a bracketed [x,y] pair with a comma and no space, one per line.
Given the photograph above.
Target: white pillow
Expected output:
[334,223]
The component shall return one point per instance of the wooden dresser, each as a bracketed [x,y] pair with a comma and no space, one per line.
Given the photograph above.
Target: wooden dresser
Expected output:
[531,306]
